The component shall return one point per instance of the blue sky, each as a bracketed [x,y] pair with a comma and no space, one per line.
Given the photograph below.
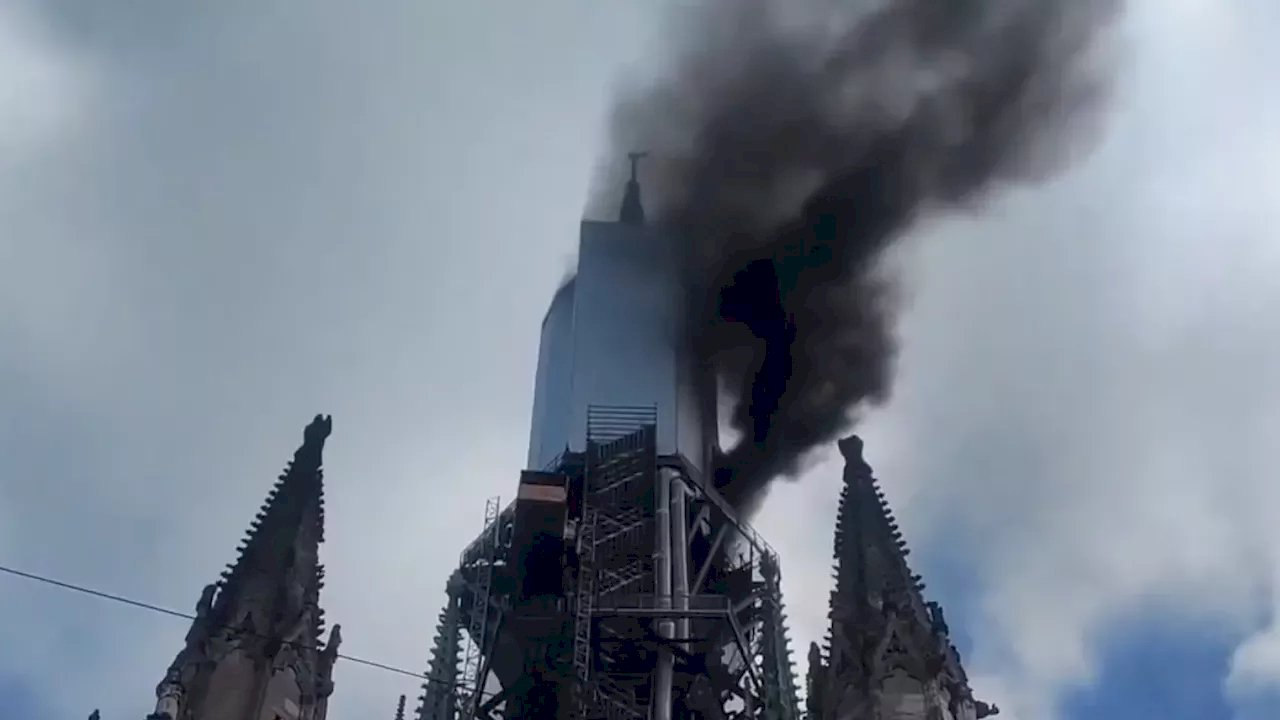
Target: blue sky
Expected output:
[221,219]
[1188,685]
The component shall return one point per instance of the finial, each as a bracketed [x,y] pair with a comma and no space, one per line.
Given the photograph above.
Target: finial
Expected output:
[851,448]
[319,429]
[632,210]
[400,709]
[312,447]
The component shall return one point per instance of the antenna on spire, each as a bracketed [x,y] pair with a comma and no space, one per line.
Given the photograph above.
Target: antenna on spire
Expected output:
[632,210]
[635,158]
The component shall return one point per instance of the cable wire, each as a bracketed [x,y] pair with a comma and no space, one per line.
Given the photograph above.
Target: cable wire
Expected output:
[187,616]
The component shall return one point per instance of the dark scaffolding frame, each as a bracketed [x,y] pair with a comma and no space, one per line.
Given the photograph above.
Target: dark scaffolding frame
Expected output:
[672,609]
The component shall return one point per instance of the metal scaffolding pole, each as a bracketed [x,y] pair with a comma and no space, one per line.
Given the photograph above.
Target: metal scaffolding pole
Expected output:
[664,675]
[656,600]
[680,555]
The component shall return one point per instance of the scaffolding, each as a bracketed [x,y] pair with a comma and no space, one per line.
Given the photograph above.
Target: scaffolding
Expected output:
[473,674]
[618,478]
[671,604]
[584,611]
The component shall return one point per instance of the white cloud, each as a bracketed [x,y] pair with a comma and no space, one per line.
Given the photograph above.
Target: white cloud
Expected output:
[42,85]
[1255,665]
[237,240]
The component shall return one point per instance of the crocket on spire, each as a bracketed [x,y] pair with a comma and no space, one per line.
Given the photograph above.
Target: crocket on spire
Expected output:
[886,647]
[256,642]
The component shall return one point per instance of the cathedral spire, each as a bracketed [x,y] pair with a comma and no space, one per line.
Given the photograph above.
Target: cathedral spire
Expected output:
[439,690]
[254,647]
[779,675]
[293,513]
[870,552]
[886,647]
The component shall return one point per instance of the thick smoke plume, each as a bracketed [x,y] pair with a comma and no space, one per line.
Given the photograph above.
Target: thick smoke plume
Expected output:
[793,141]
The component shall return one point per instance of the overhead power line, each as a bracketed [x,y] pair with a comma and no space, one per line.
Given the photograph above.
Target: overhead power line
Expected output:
[188,616]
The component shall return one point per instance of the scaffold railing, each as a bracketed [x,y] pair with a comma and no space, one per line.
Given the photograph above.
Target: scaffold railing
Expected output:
[612,422]
[477,625]
[477,549]
[583,614]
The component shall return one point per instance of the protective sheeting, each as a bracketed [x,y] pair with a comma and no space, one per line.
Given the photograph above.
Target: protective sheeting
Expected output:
[614,337]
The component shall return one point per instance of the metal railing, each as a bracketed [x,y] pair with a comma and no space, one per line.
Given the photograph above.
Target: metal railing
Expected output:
[606,423]
[475,550]
[477,626]
[583,613]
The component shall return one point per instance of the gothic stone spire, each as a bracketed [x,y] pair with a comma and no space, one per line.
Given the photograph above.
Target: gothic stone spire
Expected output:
[887,649]
[439,690]
[254,647]
[781,700]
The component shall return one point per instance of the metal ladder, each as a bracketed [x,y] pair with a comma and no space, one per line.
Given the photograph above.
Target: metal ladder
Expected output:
[470,683]
[583,614]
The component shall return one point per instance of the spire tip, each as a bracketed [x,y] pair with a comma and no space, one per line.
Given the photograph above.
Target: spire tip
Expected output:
[632,212]
[851,448]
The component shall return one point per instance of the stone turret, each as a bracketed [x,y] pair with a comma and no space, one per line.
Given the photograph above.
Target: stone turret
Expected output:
[887,654]
[254,649]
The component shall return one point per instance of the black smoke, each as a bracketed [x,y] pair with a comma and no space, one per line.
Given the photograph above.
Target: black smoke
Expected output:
[794,141]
